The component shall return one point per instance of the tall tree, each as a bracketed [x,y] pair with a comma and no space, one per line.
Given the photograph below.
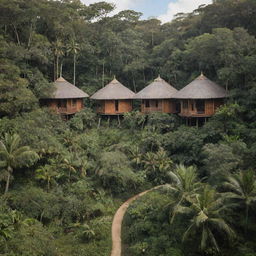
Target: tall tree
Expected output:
[242,187]
[184,184]
[73,48]
[207,222]
[58,51]
[12,155]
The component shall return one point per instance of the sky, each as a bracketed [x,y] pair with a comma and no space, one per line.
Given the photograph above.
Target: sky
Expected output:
[161,9]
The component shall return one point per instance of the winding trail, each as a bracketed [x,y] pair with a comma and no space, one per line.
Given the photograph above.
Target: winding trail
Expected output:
[117,223]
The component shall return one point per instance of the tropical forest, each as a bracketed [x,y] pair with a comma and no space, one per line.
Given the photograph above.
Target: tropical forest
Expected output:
[190,185]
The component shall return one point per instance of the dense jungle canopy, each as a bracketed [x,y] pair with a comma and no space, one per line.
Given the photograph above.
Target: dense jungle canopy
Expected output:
[62,181]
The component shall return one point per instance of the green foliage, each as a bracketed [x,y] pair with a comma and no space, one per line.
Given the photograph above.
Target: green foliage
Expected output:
[242,188]
[207,209]
[162,122]
[134,120]
[115,173]
[184,145]
[12,155]
[83,120]
[63,203]
[15,96]
[157,165]
[222,159]
[184,184]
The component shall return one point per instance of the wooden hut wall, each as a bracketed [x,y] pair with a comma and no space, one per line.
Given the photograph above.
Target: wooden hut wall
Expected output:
[113,107]
[65,106]
[164,106]
[169,106]
[200,108]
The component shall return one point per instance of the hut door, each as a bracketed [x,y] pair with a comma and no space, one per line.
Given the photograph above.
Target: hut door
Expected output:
[116,105]
[200,106]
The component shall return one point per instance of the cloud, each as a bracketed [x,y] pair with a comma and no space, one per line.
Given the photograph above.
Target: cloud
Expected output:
[181,6]
[120,4]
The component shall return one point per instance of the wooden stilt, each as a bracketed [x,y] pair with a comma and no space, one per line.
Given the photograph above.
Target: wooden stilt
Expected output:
[108,120]
[118,118]
[197,122]
[99,122]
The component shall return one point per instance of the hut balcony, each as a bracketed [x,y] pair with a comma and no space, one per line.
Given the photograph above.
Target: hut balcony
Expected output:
[114,107]
[199,108]
[161,105]
[67,111]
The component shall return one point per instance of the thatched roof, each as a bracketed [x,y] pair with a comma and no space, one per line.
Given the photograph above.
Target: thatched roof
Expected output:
[66,90]
[201,88]
[113,91]
[159,89]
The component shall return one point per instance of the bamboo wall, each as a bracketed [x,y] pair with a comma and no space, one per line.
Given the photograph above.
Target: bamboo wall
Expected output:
[211,105]
[164,106]
[64,106]
[108,107]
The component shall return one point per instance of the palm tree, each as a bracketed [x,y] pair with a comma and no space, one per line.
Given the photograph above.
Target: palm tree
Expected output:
[58,51]
[242,187]
[136,156]
[73,48]
[12,155]
[207,209]
[184,185]
[47,173]
[157,165]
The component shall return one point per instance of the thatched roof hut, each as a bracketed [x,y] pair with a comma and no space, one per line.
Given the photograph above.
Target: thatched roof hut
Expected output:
[200,99]
[201,88]
[114,99]
[158,89]
[156,97]
[113,91]
[66,90]
[66,100]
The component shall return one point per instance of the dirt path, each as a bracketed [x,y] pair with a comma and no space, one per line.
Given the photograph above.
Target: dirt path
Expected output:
[117,223]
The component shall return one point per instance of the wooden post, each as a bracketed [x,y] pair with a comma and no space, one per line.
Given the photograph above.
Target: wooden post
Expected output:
[197,122]
[108,120]
[99,122]
[118,118]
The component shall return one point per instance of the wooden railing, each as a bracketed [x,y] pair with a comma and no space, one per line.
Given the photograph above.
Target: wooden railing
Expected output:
[63,110]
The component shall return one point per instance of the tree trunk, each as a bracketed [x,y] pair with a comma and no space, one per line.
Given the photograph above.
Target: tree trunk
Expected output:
[48,185]
[17,34]
[8,180]
[57,67]
[246,218]
[103,73]
[54,69]
[74,80]
[30,35]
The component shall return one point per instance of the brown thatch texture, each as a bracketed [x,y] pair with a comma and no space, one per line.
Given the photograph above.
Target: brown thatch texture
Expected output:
[113,91]
[66,90]
[201,88]
[159,89]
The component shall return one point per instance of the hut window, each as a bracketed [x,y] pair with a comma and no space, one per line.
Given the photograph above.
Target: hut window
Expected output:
[177,107]
[185,104]
[200,106]
[74,103]
[147,103]
[156,103]
[116,105]
[63,103]
[192,106]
